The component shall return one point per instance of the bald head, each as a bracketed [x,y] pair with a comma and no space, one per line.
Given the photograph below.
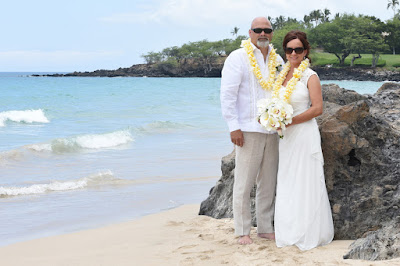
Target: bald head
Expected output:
[262,38]
[260,20]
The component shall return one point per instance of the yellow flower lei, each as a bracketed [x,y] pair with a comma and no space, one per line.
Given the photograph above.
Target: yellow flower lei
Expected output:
[272,64]
[298,72]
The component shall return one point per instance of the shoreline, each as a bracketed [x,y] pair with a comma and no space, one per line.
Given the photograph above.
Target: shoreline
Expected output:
[174,237]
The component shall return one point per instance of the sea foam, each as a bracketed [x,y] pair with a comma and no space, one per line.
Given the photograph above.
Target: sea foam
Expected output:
[85,142]
[26,116]
[102,178]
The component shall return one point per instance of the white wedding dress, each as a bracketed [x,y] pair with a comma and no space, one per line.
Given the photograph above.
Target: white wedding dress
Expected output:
[302,211]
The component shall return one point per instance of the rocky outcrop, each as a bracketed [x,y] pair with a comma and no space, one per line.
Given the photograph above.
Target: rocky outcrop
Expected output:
[218,204]
[385,103]
[361,146]
[362,156]
[189,69]
[194,69]
[382,244]
[356,73]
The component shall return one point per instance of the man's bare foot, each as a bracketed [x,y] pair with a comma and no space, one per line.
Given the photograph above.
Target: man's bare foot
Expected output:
[270,236]
[245,240]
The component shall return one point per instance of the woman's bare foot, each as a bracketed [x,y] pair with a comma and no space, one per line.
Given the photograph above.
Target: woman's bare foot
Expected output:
[270,236]
[245,240]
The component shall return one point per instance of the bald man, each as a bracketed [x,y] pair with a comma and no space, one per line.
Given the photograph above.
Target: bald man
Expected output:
[256,148]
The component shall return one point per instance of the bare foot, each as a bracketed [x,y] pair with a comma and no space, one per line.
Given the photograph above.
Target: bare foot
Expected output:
[245,240]
[270,236]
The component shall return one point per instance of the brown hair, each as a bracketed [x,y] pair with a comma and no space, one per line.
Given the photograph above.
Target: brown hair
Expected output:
[296,34]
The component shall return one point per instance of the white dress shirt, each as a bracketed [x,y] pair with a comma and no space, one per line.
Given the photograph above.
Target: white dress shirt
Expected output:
[240,90]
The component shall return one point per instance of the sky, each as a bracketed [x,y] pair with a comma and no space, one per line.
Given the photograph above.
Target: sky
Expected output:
[86,35]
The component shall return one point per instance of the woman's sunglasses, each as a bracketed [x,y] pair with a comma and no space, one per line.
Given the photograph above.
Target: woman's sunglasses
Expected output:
[259,30]
[297,50]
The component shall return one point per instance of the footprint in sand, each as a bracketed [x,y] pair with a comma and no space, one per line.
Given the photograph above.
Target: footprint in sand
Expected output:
[192,230]
[206,236]
[204,257]
[174,223]
[186,247]
[262,248]
[202,253]
[224,242]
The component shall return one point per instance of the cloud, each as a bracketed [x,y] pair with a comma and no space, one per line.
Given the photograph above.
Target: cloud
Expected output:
[198,12]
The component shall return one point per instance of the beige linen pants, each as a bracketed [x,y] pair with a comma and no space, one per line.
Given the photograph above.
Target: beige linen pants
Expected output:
[256,163]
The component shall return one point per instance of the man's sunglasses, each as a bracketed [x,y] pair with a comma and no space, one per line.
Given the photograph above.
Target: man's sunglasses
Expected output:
[297,50]
[259,30]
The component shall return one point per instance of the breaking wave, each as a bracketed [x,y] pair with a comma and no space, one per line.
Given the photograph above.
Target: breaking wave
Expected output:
[27,116]
[102,178]
[85,142]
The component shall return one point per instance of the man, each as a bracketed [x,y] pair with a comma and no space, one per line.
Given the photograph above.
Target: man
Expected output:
[256,148]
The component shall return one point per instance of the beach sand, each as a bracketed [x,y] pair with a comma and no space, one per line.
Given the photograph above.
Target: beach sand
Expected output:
[174,237]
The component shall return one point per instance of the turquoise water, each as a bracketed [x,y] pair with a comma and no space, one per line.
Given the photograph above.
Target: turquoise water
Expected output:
[78,153]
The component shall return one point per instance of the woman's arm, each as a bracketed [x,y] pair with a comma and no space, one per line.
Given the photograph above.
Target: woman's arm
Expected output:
[314,88]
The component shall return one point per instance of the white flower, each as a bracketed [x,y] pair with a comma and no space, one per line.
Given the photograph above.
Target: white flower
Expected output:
[262,105]
[274,114]
[274,111]
[273,123]
[263,119]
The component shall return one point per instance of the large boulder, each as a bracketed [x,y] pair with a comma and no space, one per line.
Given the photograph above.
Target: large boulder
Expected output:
[219,202]
[360,139]
[361,152]
[382,244]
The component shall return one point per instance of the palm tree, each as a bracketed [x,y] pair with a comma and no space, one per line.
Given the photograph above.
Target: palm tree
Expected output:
[280,22]
[392,4]
[316,16]
[325,13]
[235,31]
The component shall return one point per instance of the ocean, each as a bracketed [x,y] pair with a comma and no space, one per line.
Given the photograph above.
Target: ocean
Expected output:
[80,152]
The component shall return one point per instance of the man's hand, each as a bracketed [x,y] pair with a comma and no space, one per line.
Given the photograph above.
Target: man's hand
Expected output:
[237,137]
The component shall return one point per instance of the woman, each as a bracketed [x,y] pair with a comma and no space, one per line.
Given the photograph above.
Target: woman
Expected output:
[302,212]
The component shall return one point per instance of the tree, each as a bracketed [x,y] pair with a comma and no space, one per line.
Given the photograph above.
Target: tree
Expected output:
[152,57]
[279,22]
[307,21]
[370,29]
[173,52]
[325,15]
[392,34]
[316,16]
[348,34]
[235,31]
[392,4]
[232,45]
[331,36]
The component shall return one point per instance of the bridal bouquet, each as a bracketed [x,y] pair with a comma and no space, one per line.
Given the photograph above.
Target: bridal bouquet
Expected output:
[274,114]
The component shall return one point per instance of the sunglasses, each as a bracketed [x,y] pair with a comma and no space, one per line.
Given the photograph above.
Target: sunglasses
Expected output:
[259,30]
[297,50]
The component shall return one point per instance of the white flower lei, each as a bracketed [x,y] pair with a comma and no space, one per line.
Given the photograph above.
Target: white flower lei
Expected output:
[276,113]
[272,65]
[298,72]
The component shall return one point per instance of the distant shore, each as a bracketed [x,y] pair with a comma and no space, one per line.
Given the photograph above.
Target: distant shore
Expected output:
[214,71]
